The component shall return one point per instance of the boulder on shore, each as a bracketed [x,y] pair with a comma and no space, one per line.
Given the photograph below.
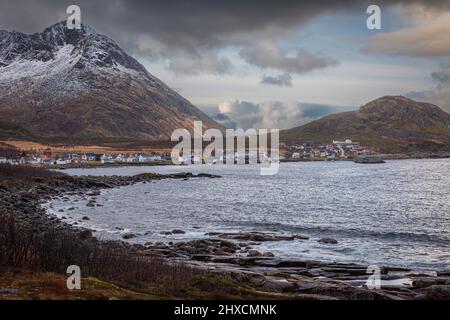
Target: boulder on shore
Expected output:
[128,235]
[438,292]
[254,253]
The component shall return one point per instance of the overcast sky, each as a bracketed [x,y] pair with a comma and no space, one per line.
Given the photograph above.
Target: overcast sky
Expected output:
[270,63]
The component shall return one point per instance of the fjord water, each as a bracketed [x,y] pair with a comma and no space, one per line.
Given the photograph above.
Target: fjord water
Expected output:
[397,213]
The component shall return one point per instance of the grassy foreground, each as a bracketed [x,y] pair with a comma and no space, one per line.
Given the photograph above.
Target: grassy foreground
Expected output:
[20,284]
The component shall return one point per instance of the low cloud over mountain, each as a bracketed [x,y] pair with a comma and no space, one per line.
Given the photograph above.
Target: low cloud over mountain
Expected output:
[272,115]
[440,93]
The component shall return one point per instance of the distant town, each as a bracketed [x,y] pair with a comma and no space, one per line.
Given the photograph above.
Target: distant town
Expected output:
[337,150]
[48,158]
[309,151]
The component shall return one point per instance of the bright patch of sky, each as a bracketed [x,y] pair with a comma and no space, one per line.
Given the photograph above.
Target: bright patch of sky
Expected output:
[357,79]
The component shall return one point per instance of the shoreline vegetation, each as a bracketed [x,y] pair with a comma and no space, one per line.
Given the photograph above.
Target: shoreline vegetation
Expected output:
[36,249]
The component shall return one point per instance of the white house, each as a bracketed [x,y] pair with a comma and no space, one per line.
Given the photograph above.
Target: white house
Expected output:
[47,162]
[347,141]
[130,159]
[119,158]
[296,155]
[155,158]
[35,160]
[61,162]
[106,159]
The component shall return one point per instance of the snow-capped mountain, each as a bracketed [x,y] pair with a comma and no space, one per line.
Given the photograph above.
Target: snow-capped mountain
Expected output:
[80,84]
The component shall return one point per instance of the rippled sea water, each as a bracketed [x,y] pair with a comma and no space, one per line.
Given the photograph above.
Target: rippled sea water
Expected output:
[396,213]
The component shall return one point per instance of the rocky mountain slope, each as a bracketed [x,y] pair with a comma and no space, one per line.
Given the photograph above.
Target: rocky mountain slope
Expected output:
[80,85]
[391,124]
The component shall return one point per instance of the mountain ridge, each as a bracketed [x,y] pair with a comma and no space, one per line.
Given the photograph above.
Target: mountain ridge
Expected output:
[80,85]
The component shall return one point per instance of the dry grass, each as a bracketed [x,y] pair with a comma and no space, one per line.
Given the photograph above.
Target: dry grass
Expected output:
[52,286]
[54,250]
[36,264]
[34,147]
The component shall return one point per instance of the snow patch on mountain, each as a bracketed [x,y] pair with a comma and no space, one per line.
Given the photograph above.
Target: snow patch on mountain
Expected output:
[62,62]
[58,49]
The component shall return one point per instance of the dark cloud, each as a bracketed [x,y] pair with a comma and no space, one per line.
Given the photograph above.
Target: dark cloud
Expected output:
[441,76]
[244,114]
[213,112]
[203,22]
[283,80]
[421,96]
[269,56]
[186,63]
[225,121]
[178,29]
[440,94]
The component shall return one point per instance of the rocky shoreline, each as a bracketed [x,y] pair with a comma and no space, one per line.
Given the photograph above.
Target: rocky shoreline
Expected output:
[232,254]
[25,199]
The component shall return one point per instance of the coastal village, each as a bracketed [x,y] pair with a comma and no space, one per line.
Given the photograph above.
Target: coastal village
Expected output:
[309,151]
[337,150]
[48,158]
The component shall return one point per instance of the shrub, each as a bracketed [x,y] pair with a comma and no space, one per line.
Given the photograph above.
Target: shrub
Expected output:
[54,251]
